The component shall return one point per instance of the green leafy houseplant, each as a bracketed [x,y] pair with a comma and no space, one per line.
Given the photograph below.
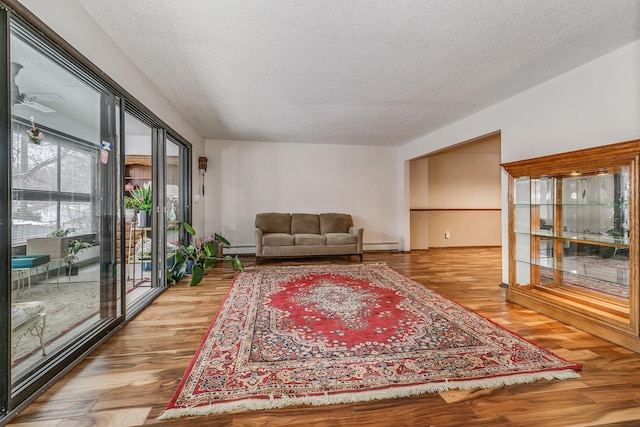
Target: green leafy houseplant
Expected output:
[201,256]
[141,197]
[62,232]
[74,247]
[129,203]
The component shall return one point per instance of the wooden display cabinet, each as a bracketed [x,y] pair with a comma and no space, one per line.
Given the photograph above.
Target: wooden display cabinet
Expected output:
[573,239]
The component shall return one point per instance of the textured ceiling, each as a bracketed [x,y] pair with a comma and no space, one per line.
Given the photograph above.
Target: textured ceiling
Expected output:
[375,72]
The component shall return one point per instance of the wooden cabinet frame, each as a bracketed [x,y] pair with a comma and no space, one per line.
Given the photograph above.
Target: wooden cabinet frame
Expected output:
[615,321]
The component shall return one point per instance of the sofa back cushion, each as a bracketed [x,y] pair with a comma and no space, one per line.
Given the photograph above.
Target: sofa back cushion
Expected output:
[335,223]
[274,222]
[305,223]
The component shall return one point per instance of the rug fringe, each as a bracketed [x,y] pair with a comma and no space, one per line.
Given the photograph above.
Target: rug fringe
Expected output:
[387,393]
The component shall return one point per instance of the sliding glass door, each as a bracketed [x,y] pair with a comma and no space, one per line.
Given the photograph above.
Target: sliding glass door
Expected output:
[156,180]
[63,171]
[139,232]
[95,187]
[176,179]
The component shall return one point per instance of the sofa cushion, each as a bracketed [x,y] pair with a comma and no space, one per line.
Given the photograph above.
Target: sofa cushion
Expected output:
[274,222]
[341,238]
[277,239]
[305,224]
[335,223]
[303,239]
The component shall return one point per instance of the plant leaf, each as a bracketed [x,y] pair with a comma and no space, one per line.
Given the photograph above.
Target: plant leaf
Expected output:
[197,273]
[221,238]
[188,228]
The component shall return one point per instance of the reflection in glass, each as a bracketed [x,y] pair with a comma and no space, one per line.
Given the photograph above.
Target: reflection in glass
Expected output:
[56,296]
[594,239]
[592,268]
[174,196]
[596,204]
[545,196]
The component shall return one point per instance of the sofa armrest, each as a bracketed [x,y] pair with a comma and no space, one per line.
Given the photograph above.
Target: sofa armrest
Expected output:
[259,234]
[358,232]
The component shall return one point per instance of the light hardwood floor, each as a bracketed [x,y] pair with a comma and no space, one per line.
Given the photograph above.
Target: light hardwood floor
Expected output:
[130,379]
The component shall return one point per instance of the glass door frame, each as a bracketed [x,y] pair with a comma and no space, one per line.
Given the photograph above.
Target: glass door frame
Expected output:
[158,188]
[6,401]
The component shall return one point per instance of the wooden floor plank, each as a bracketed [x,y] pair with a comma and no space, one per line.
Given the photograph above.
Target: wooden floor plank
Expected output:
[130,379]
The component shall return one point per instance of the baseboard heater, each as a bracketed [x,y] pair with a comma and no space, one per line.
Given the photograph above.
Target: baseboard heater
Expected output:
[241,249]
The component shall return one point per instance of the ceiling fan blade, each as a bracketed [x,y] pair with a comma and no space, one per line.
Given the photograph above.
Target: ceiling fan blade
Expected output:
[43,97]
[29,99]
[38,106]
[16,98]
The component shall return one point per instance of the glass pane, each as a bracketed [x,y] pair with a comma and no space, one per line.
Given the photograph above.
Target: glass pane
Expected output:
[175,195]
[49,93]
[523,219]
[595,236]
[58,293]
[596,268]
[522,214]
[596,205]
[545,196]
[76,170]
[32,165]
[546,251]
[31,218]
[77,216]
[138,185]
[523,191]
[523,256]
[546,261]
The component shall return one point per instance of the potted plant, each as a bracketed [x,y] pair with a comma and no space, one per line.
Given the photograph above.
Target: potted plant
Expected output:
[200,257]
[141,200]
[218,243]
[129,208]
[62,232]
[74,247]
[55,245]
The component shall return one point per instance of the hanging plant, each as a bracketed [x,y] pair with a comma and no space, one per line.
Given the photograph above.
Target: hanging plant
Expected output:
[34,133]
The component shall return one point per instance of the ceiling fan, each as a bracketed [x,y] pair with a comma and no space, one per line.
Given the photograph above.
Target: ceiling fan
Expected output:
[30,99]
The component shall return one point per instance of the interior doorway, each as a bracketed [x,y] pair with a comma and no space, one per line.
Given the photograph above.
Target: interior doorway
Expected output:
[455,196]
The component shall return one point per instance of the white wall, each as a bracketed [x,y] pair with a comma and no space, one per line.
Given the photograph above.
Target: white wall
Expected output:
[246,178]
[595,104]
[73,24]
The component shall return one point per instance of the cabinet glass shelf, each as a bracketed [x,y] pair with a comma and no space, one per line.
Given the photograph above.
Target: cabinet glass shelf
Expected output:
[612,270]
[587,238]
[571,205]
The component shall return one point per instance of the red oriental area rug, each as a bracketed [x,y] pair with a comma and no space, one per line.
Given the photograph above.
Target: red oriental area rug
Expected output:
[329,334]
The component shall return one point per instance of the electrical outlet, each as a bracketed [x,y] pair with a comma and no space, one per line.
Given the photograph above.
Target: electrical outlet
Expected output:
[447,234]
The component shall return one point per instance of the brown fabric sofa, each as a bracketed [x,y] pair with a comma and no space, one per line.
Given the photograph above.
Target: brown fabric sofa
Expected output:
[283,235]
